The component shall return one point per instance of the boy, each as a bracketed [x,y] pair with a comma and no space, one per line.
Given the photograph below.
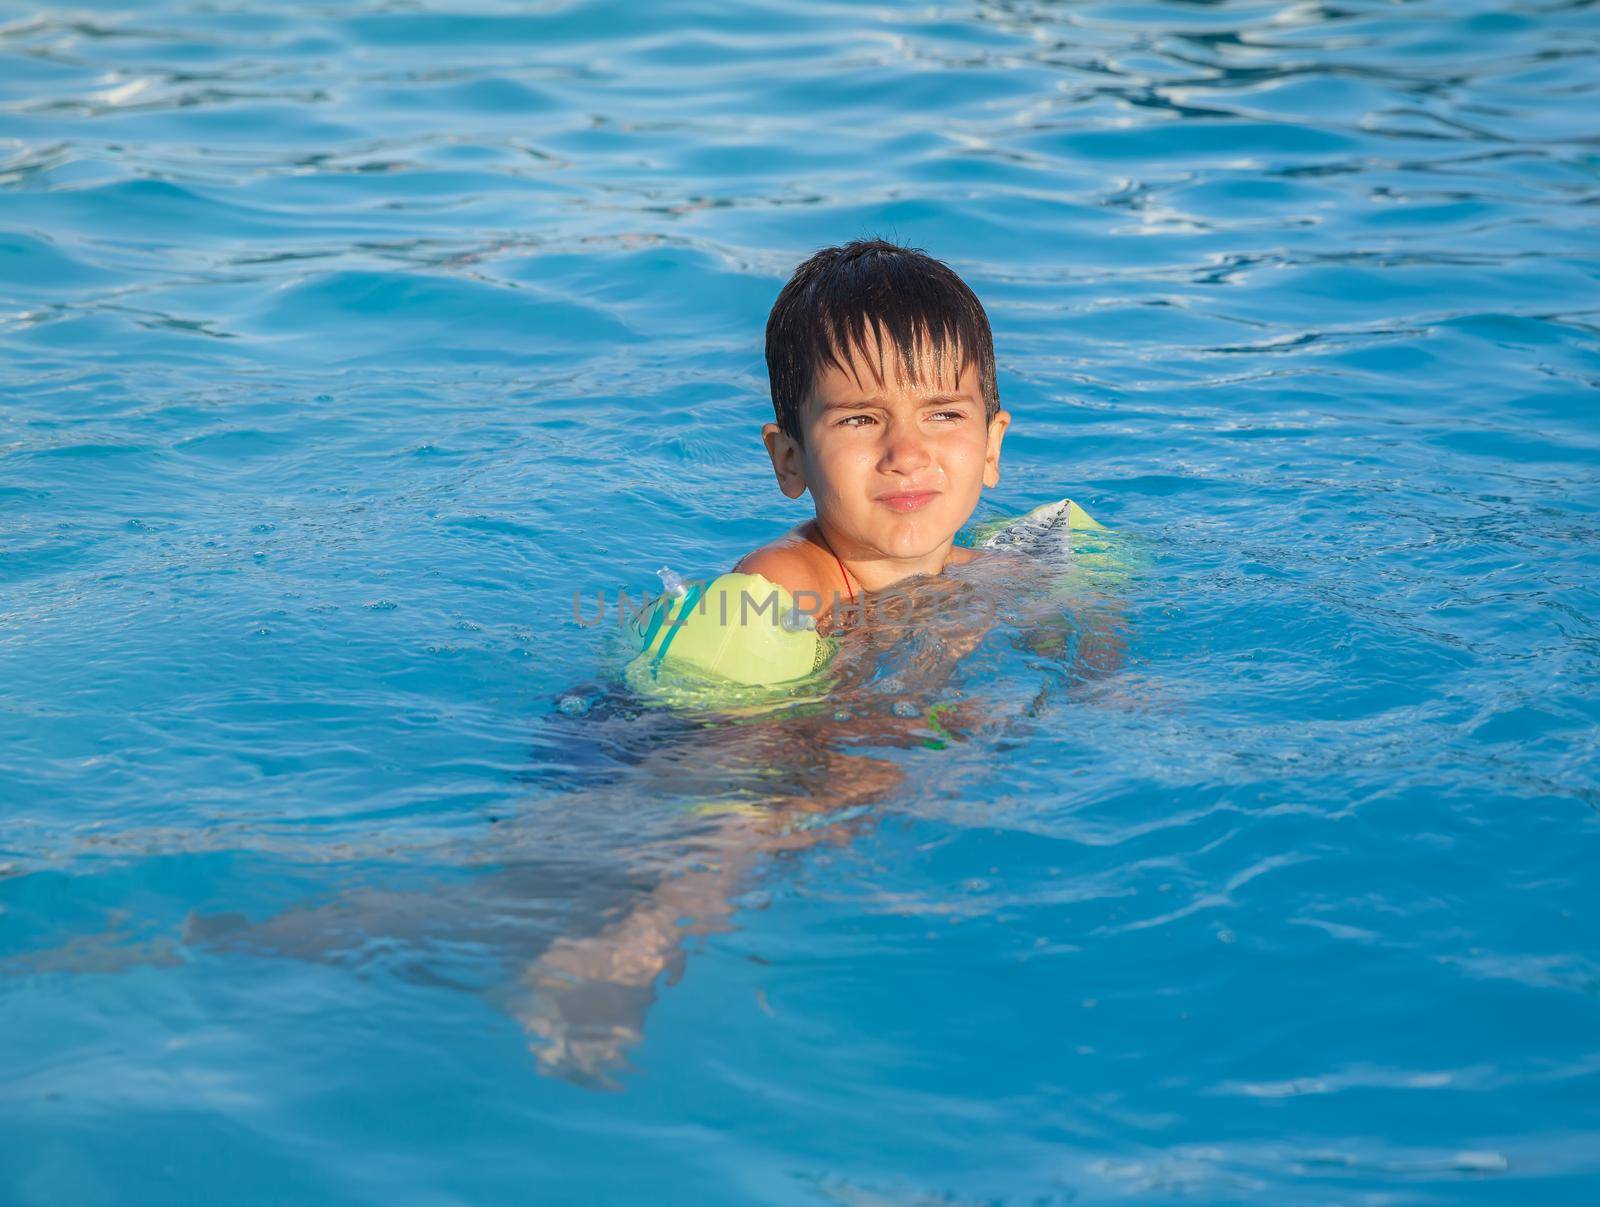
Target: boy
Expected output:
[883,386]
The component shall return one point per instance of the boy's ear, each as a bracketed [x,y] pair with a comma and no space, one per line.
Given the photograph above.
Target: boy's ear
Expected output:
[787,462]
[991,457]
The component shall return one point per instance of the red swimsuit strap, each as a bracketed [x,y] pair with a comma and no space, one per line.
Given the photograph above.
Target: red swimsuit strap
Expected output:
[829,547]
[846,578]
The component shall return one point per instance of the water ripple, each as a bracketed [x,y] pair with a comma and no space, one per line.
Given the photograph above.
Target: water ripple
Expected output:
[340,343]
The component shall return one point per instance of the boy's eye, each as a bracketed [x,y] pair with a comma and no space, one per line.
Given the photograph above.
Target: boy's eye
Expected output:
[946,416]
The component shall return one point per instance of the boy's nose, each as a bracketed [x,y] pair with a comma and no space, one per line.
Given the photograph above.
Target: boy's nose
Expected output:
[905,448]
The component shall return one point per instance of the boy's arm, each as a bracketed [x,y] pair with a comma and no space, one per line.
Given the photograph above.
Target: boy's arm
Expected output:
[1102,637]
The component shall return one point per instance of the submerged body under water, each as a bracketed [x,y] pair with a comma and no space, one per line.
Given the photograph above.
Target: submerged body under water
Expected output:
[341,345]
[566,911]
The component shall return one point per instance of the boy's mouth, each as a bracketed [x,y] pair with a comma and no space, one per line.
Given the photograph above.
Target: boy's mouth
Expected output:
[908,500]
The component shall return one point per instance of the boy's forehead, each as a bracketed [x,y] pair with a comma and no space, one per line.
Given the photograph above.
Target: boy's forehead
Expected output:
[935,368]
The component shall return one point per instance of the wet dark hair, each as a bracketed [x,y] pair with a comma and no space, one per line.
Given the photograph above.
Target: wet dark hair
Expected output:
[837,297]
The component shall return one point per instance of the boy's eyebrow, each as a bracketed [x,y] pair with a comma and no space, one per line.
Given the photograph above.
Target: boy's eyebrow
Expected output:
[856,404]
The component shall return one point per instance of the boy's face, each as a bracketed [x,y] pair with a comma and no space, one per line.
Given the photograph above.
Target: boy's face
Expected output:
[895,469]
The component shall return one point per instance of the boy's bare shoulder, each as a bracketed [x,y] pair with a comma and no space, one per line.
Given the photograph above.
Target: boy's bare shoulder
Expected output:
[790,561]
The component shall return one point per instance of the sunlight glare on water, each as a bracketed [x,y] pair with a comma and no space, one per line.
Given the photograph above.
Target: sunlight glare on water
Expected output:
[341,343]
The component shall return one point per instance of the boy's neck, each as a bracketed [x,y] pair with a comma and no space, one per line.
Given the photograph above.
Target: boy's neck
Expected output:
[875,573]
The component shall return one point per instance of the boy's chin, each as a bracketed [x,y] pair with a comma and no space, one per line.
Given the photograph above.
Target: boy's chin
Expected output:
[916,543]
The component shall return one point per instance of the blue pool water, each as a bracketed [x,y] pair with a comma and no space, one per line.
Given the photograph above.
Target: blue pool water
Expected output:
[339,343]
